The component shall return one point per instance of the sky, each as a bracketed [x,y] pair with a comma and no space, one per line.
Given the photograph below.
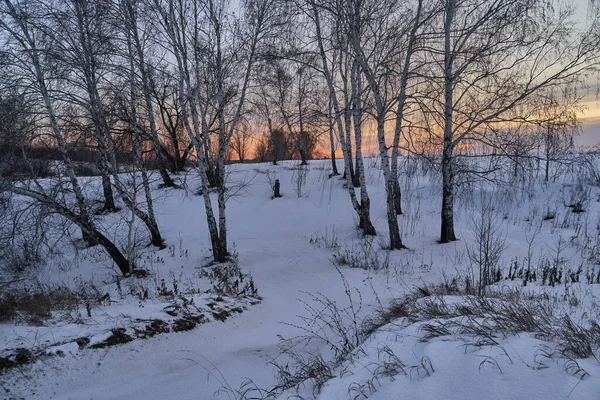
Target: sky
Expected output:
[591,116]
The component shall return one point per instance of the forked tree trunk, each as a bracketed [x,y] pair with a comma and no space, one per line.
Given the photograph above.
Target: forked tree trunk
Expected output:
[363,208]
[166,178]
[357,115]
[361,64]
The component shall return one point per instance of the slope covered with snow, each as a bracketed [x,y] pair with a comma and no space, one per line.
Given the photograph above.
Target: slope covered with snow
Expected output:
[299,249]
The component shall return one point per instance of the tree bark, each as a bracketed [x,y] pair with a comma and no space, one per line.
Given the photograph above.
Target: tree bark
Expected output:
[334,170]
[357,114]
[361,65]
[447,214]
[362,209]
[109,200]
[132,20]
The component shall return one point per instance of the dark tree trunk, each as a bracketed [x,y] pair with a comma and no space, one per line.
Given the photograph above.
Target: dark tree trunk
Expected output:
[220,253]
[334,165]
[394,230]
[354,177]
[364,222]
[114,253]
[184,157]
[166,178]
[397,198]
[332,141]
[447,231]
[89,239]
[109,200]
[303,156]
[276,187]
[155,236]
[211,174]
[447,228]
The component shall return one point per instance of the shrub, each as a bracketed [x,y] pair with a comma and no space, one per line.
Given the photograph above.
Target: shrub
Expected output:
[35,304]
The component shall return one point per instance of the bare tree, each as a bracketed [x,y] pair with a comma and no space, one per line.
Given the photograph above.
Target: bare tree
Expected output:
[81,34]
[241,141]
[16,124]
[556,119]
[226,69]
[359,15]
[494,55]
[29,56]
[343,117]
[264,106]
[485,253]
[178,146]
[130,17]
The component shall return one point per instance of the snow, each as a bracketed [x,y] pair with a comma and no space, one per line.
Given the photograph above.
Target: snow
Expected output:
[273,238]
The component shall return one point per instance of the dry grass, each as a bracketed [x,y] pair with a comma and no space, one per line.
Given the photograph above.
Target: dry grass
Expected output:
[35,304]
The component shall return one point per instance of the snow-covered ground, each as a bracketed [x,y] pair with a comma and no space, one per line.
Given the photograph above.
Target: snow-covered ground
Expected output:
[288,246]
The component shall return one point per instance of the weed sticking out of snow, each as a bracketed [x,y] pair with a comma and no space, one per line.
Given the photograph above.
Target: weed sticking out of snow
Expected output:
[140,307]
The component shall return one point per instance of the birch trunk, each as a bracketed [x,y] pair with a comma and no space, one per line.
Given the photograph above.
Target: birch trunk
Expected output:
[334,170]
[357,115]
[156,237]
[400,110]
[361,64]
[447,226]
[106,148]
[364,218]
[131,18]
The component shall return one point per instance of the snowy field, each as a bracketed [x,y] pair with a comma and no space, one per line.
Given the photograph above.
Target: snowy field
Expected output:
[319,324]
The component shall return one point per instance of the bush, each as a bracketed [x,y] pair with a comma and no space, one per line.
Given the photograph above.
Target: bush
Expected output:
[23,169]
[486,251]
[85,169]
[33,305]
[362,256]
[228,279]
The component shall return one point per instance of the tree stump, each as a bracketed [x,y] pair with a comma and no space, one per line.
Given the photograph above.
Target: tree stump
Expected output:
[276,189]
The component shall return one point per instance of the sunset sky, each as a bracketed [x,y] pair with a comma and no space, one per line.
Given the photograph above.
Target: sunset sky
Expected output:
[591,116]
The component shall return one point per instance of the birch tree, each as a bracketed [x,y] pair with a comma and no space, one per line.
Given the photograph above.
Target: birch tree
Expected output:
[80,34]
[492,57]
[130,10]
[376,69]
[29,57]
[342,114]
[226,69]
